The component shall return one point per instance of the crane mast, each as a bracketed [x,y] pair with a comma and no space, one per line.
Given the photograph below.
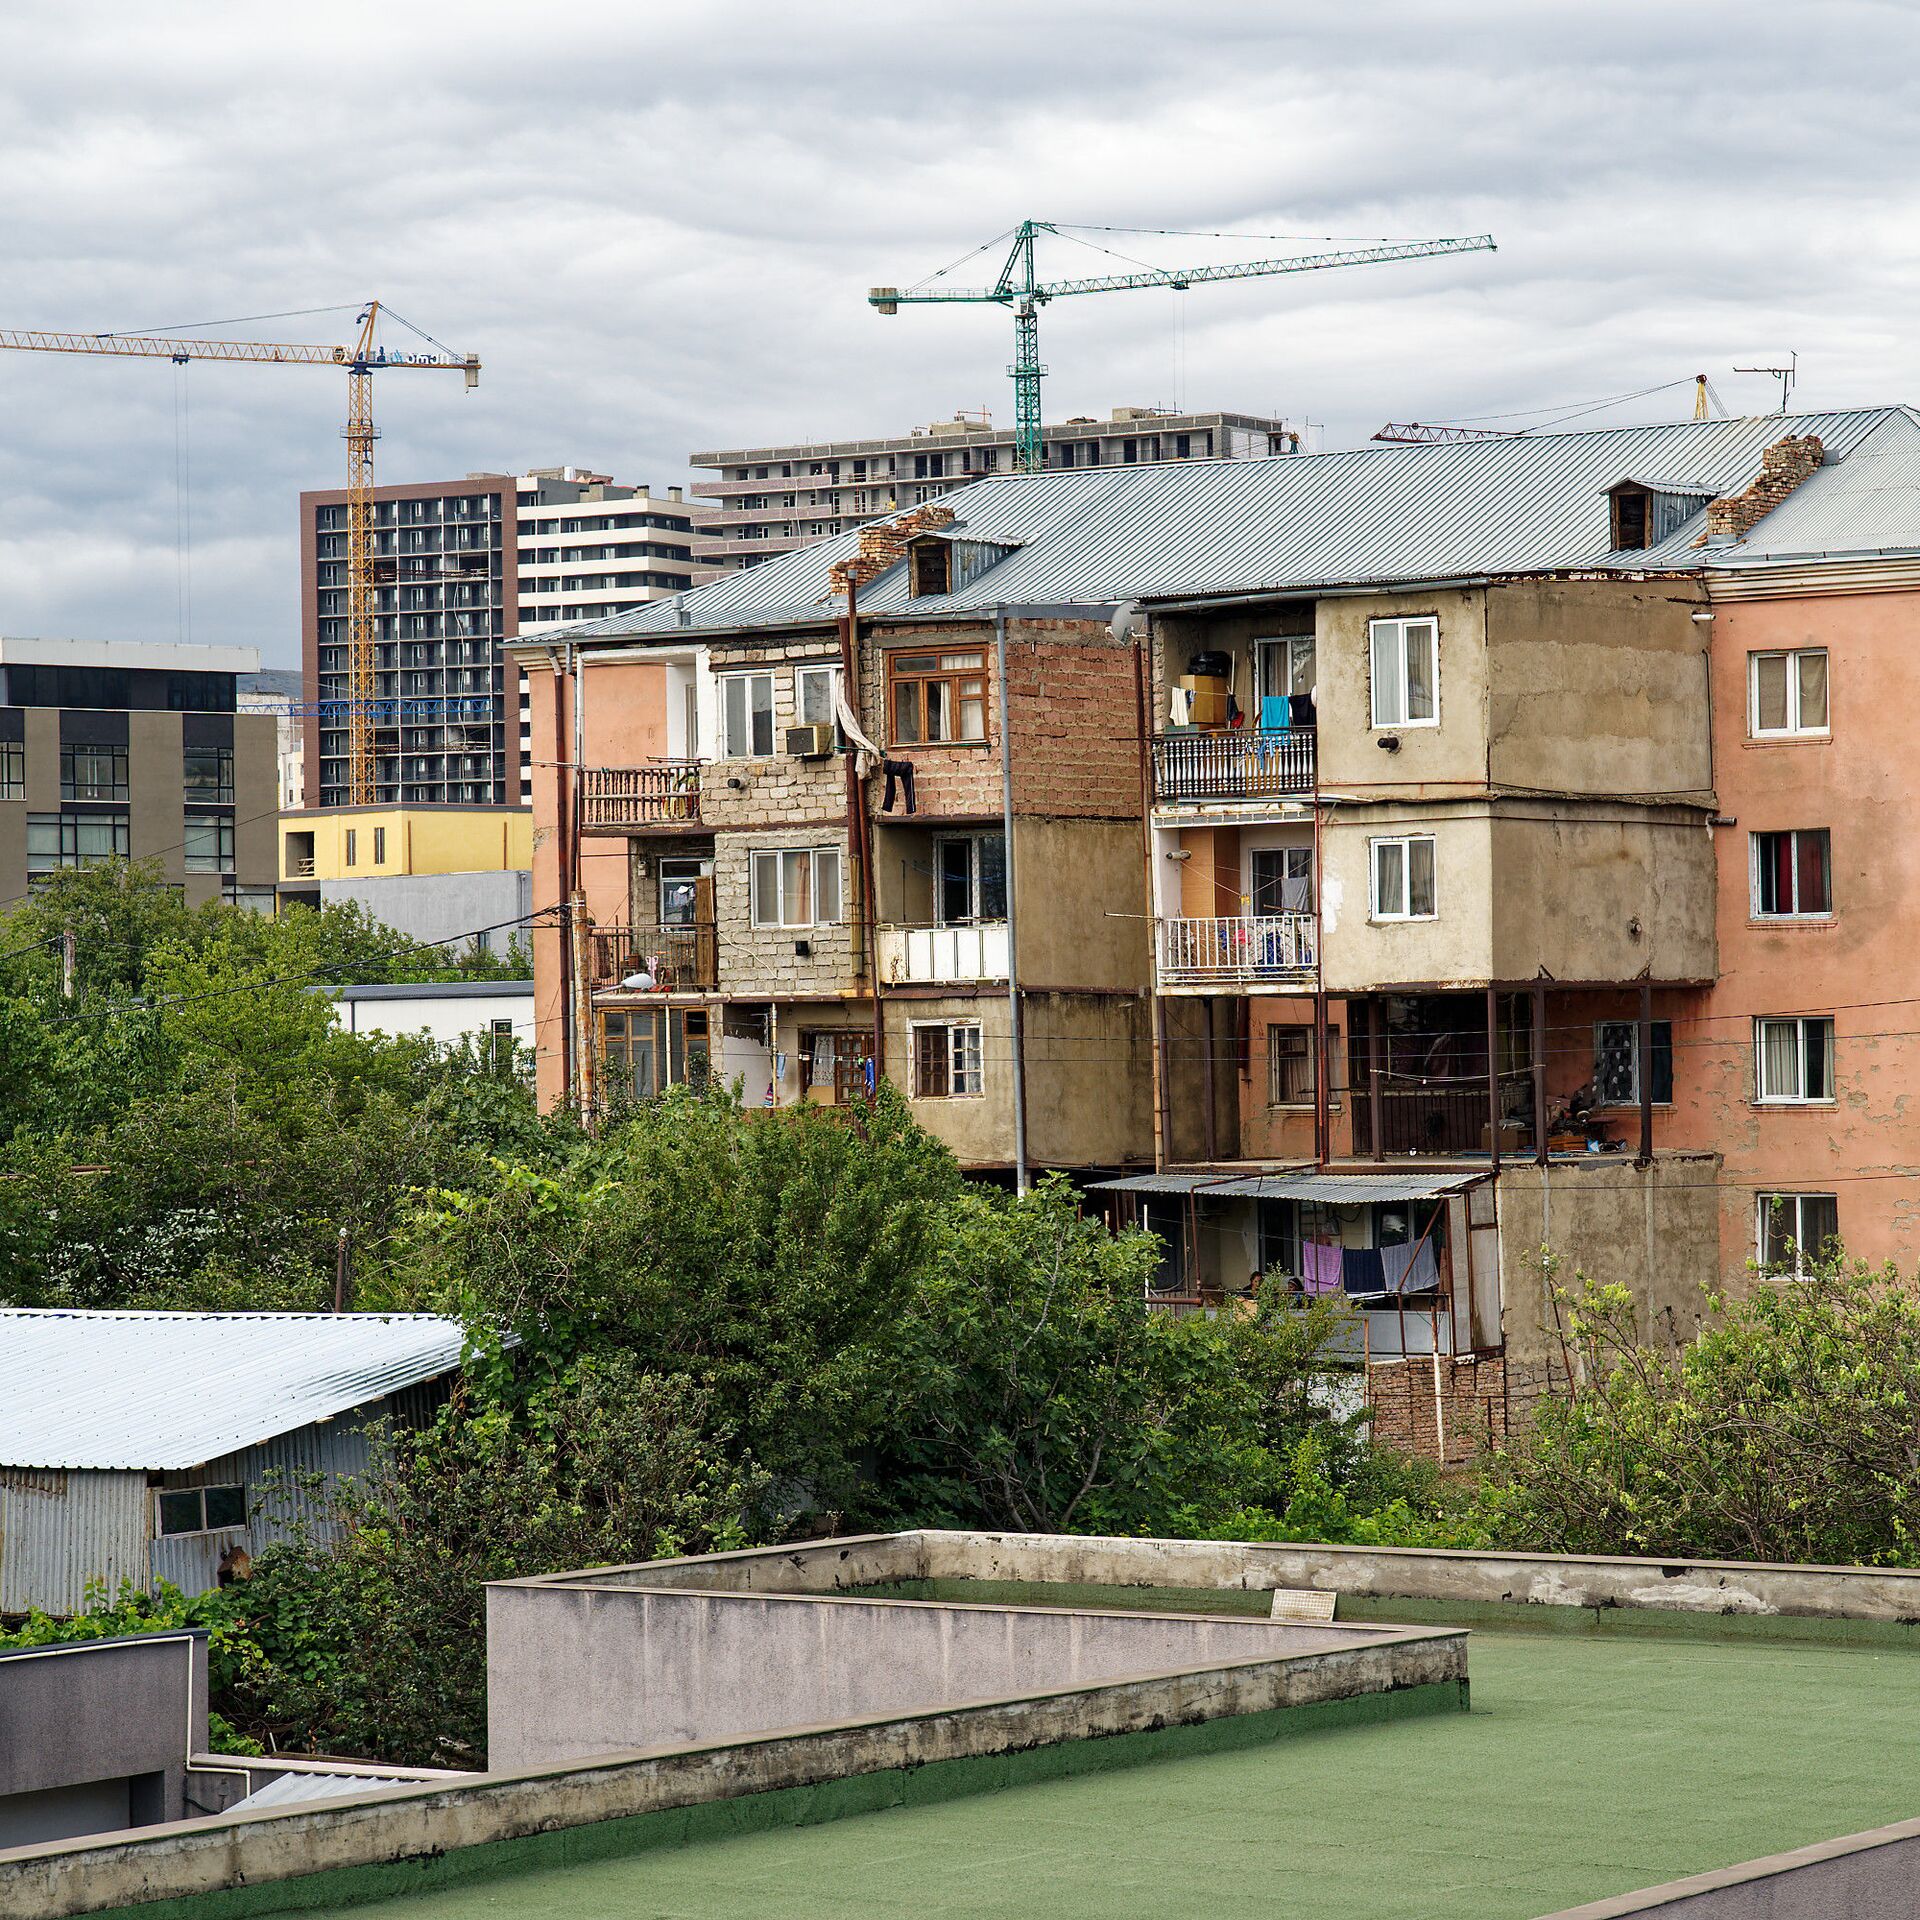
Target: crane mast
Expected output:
[1019,289]
[362,361]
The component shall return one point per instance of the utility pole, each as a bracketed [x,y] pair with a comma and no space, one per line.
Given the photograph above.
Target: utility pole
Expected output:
[343,1272]
[69,954]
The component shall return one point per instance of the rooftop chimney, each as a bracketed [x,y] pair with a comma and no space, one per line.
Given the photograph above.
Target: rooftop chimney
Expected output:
[1782,468]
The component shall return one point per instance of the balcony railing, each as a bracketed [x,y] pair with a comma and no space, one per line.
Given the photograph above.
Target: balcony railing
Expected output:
[678,959]
[300,866]
[924,955]
[1242,950]
[1432,1117]
[667,793]
[1233,765]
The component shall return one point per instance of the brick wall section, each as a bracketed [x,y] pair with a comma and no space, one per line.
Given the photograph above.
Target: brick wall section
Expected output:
[882,546]
[1076,747]
[1473,1396]
[1782,468]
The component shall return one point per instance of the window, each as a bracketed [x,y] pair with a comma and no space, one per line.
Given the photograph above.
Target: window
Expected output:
[646,1052]
[1792,874]
[1629,518]
[929,567]
[379,846]
[1284,681]
[970,879]
[681,887]
[937,696]
[946,1061]
[1166,1220]
[1281,881]
[1616,1062]
[1290,1065]
[208,843]
[500,1045]
[1793,1060]
[1403,878]
[200,1509]
[1795,1230]
[13,769]
[1787,692]
[74,840]
[353,846]
[746,716]
[1406,670]
[207,776]
[93,773]
[796,887]
[816,693]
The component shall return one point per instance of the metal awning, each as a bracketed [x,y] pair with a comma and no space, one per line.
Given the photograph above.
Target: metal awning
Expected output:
[1332,1189]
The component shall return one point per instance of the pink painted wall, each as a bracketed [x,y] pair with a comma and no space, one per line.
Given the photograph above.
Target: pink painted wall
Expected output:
[1859,782]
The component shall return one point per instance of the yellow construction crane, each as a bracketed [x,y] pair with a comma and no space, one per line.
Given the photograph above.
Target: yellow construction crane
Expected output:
[362,361]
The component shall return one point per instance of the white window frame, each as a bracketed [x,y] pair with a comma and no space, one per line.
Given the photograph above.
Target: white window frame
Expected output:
[747,681]
[1796,1202]
[203,1529]
[1405,842]
[1793,730]
[823,896]
[966,1059]
[1755,869]
[801,675]
[1763,1095]
[1396,631]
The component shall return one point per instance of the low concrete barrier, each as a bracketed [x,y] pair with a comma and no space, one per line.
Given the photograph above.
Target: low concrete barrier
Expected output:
[1865,1876]
[1758,1588]
[410,1839]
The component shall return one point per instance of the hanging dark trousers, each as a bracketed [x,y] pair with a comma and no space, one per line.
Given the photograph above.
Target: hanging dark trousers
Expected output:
[900,771]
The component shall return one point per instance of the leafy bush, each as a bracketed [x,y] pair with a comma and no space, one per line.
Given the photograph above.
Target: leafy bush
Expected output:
[1789,1429]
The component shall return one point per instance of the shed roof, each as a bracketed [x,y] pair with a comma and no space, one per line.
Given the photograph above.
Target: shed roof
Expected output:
[145,1391]
[1370,516]
[1336,1189]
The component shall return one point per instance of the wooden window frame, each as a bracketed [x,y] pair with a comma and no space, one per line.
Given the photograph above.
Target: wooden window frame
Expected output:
[955,678]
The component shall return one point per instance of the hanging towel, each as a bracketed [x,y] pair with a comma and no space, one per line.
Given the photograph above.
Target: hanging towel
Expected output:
[1394,1262]
[1320,1267]
[1424,1275]
[1273,712]
[1361,1272]
[1180,707]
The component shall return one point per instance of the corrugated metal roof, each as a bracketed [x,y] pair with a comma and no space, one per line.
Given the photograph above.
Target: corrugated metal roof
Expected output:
[162,1390]
[1369,516]
[295,1789]
[1336,1189]
[1868,503]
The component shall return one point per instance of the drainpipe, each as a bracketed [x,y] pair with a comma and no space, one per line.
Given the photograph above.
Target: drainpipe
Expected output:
[582,967]
[860,828]
[1013,945]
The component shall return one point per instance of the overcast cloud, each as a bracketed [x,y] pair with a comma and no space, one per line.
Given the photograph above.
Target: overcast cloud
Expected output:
[657,231]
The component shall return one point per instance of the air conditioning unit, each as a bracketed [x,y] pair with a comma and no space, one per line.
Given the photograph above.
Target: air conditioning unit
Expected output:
[810,743]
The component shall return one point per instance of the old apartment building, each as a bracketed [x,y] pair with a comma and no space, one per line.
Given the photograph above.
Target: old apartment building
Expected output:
[770,500]
[1401,862]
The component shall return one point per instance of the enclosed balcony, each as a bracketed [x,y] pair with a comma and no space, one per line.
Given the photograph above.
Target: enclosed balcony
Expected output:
[664,793]
[1230,764]
[1242,950]
[680,958]
[925,956]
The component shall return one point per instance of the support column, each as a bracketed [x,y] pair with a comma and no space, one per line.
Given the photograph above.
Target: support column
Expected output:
[1493,1075]
[1376,1119]
[1540,1072]
[1645,1157]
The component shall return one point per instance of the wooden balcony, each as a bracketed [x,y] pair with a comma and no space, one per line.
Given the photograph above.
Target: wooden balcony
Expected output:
[919,956]
[1233,765]
[1281,949]
[677,959]
[665,793]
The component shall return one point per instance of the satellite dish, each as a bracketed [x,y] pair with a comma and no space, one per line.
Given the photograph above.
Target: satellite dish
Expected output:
[1121,625]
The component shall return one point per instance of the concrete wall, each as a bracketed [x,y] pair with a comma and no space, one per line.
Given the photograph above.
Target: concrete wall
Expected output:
[1865,1876]
[444,907]
[573,1672]
[1080,905]
[121,1714]
[445,1017]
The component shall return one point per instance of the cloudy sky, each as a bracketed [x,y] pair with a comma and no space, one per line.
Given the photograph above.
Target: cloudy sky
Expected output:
[657,227]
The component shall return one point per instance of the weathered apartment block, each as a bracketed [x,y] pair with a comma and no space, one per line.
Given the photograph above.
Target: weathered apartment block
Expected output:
[1364,840]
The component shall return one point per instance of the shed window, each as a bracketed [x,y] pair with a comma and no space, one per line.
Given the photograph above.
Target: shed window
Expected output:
[200,1509]
[1629,518]
[929,568]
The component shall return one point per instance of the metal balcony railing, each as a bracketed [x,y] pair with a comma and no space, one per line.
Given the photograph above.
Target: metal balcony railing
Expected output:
[1233,765]
[923,955]
[667,793]
[1243,950]
[682,958]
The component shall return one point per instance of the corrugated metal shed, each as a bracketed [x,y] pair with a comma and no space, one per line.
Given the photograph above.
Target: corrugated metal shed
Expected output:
[1369,516]
[171,1390]
[1336,1189]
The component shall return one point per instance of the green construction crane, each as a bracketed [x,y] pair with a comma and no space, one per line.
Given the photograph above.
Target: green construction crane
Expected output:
[1018,289]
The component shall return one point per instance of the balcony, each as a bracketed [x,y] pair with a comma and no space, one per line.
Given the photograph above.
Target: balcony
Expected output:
[1233,765]
[665,794]
[924,956]
[1246,950]
[680,959]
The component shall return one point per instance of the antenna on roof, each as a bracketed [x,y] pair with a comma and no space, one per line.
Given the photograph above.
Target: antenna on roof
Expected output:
[1786,375]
